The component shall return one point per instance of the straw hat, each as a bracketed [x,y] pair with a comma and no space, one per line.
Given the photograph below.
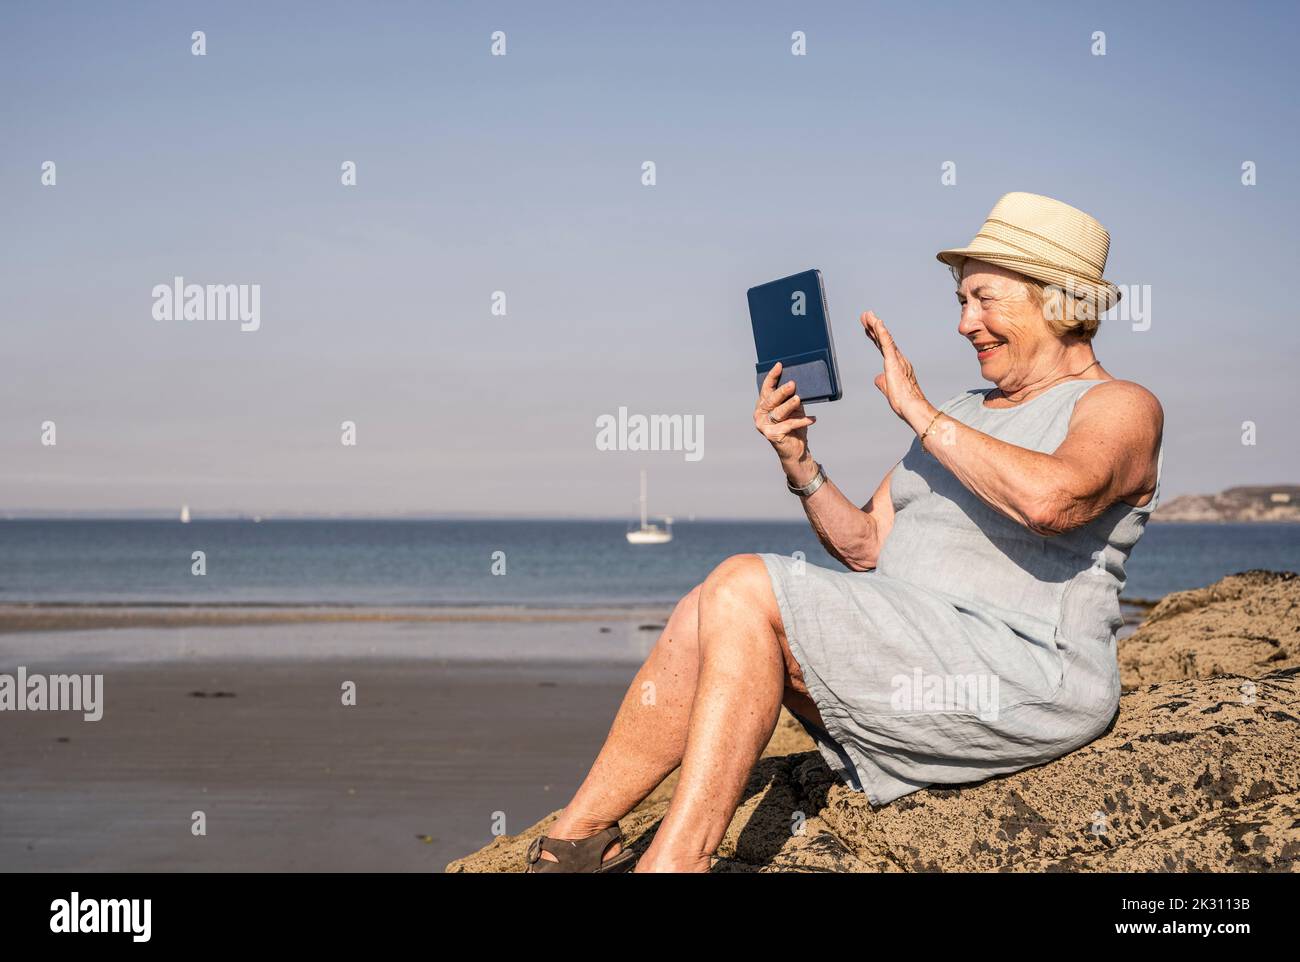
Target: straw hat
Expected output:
[1046,240]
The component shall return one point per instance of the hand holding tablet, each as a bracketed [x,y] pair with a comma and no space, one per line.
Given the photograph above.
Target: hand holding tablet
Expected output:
[779,416]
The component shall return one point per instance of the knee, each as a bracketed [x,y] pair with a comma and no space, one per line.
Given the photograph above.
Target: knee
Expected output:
[740,583]
[689,605]
[681,633]
[684,622]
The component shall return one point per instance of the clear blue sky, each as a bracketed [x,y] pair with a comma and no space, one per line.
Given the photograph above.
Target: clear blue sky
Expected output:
[522,173]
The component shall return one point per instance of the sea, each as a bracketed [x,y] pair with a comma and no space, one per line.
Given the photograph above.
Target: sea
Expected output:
[537,563]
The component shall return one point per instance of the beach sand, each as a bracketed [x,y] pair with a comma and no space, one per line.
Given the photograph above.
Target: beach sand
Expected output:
[235,711]
[246,725]
[81,617]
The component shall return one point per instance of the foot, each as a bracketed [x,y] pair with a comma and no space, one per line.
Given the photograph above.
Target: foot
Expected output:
[572,830]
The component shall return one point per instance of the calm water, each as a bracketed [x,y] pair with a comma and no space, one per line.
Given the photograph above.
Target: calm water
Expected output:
[450,562]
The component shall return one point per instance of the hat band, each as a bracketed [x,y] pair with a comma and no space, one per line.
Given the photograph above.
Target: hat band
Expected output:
[1072,282]
[1032,258]
[1091,262]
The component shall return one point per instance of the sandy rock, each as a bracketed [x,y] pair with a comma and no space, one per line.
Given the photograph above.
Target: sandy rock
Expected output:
[1245,624]
[1263,837]
[1197,774]
[1178,753]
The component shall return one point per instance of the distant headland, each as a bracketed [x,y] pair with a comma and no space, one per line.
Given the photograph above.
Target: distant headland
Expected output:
[1277,502]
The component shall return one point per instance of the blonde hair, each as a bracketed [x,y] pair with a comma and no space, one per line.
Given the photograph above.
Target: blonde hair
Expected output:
[1067,314]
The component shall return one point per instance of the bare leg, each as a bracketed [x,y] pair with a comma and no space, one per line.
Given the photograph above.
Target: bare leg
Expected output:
[648,736]
[742,681]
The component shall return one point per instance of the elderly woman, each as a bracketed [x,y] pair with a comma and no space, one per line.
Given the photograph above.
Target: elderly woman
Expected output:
[973,633]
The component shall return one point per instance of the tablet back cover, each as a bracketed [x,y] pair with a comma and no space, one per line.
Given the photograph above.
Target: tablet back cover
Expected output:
[791,326]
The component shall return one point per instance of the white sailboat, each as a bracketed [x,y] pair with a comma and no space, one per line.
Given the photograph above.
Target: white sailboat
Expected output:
[185,514]
[650,533]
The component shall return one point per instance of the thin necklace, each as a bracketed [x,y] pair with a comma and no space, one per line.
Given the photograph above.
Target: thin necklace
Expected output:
[1061,378]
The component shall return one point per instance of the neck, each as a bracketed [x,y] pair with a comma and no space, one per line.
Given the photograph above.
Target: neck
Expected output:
[1074,361]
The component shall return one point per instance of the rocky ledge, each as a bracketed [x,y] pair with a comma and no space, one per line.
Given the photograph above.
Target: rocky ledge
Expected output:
[1199,773]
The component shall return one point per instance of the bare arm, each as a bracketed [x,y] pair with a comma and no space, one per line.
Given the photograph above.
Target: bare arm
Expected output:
[851,534]
[1108,455]
[1110,452]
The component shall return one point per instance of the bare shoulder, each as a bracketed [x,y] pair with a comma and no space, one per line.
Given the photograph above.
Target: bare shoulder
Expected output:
[1119,424]
[1127,401]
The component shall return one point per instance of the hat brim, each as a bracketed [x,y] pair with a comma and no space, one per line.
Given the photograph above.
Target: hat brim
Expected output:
[1097,290]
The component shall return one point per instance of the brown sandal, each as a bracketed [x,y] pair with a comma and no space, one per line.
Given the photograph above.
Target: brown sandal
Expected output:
[581,854]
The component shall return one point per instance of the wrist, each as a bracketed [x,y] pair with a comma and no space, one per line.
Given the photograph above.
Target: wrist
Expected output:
[918,418]
[811,487]
[800,470]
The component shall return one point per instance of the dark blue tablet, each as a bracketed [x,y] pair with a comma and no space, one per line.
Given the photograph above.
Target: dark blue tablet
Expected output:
[791,325]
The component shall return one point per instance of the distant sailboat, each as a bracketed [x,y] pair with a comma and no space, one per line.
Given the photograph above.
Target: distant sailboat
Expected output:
[185,514]
[650,533]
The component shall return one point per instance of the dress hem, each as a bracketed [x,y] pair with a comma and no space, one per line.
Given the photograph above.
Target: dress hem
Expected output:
[841,755]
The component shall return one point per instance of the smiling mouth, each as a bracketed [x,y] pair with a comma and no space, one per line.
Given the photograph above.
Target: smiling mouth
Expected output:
[987,349]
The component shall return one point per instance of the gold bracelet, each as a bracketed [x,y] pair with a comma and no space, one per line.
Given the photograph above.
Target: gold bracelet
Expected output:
[938,414]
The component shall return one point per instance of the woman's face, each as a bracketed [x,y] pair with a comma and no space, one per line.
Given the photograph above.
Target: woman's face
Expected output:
[1002,323]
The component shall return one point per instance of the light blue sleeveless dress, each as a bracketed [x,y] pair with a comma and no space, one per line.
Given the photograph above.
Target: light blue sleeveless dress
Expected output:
[976,647]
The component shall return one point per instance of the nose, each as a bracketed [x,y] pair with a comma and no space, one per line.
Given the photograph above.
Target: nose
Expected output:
[969,324]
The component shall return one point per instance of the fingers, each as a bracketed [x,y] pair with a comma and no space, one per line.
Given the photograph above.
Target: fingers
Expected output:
[783,419]
[779,411]
[879,333]
[794,424]
[872,326]
[775,406]
[771,397]
[886,339]
[769,381]
[890,348]
[782,411]
[887,342]
[876,328]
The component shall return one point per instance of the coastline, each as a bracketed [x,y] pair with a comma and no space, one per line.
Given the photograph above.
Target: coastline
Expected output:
[60,616]
[81,616]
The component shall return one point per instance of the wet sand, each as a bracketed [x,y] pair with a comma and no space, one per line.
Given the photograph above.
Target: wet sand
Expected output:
[466,721]
[289,779]
[79,617]
[236,712]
